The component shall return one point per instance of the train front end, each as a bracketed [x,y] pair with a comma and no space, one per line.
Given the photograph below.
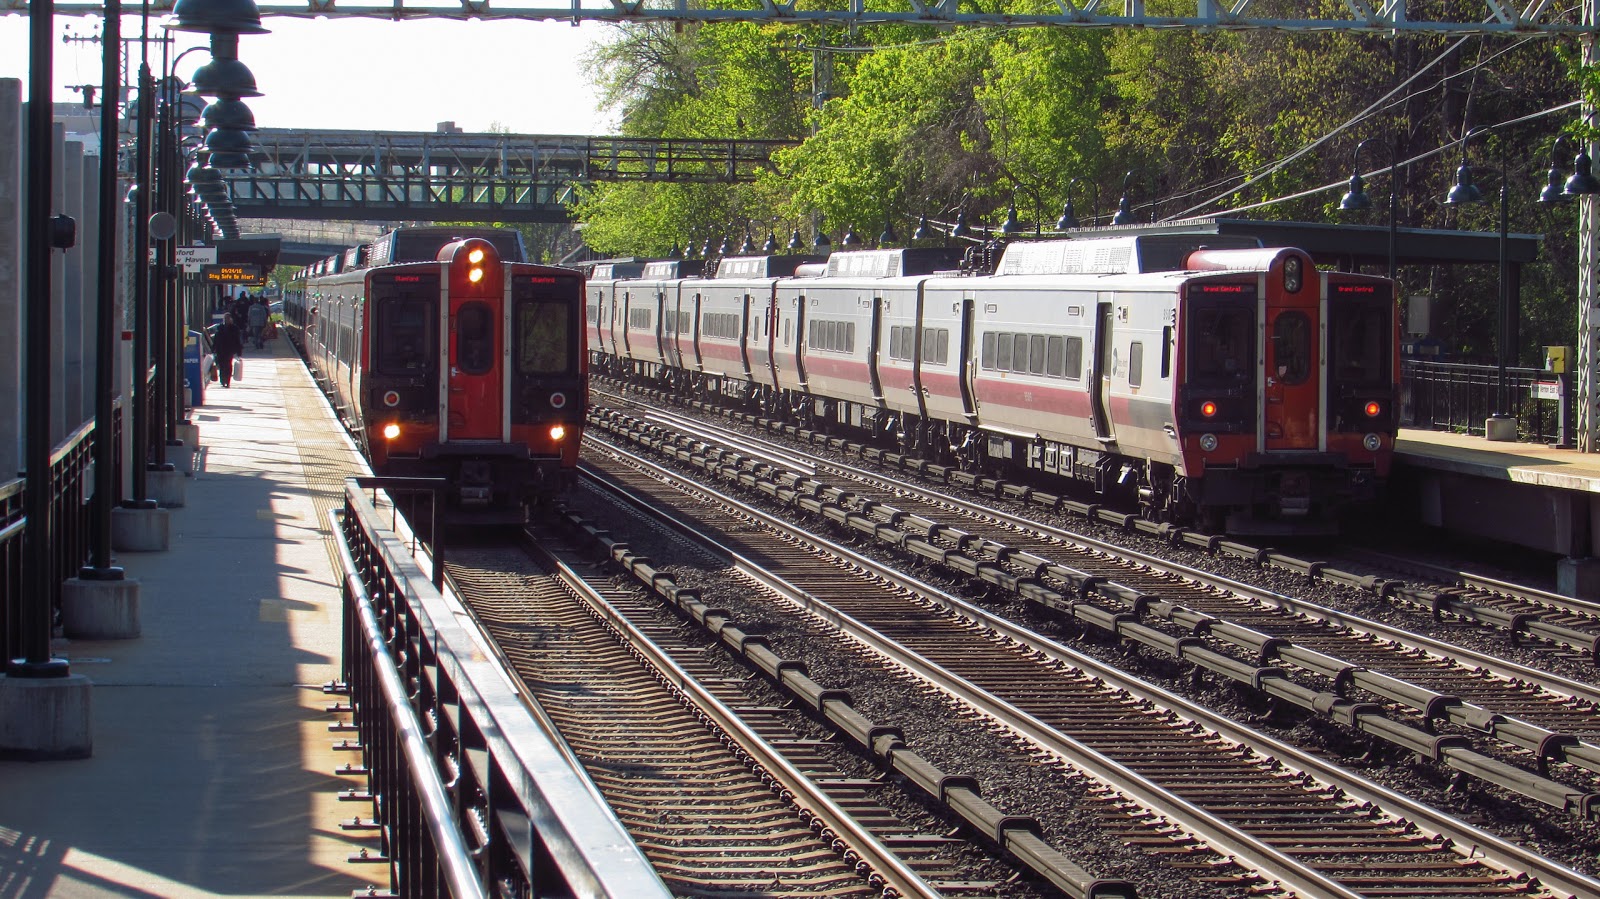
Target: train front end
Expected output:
[1286,410]
[477,376]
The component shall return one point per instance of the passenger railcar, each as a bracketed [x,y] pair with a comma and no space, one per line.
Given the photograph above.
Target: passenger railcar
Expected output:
[467,363]
[1229,385]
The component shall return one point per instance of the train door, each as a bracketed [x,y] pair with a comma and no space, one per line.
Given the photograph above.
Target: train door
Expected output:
[969,359]
[1292,315]
[1100,372]
[475,382]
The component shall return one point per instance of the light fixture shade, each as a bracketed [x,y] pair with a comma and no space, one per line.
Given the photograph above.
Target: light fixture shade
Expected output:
[960,229]
[227,112]
[222,160]
[748,247]
[723,249]
[1356,197]
[1124,214]
[1069,219]
[795,243]
[922,232]
[1009,226]
[228,78]
[1552,193]
[822,243]
[202,174]
[850,240]
[771,246]
[674,253]
[1582,182]
[1464,191]
[214,16]
[227,140]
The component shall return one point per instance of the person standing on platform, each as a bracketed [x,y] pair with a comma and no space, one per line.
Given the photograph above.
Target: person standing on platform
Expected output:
[257,317]
[227,344]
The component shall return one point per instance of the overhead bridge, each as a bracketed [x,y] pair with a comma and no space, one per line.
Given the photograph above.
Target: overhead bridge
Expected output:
[427,176]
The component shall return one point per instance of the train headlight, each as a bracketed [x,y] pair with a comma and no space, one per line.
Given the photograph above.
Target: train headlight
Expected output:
[1373,408]
[558,433]
[1372,442]
[1208,442]
[558,400]
[475,274]
[1208,409]
[475,255]
[391,431]
[1292,275]
[391,398]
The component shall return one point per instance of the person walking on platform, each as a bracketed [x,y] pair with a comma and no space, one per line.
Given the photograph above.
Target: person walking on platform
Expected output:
[257,317]
[227,344]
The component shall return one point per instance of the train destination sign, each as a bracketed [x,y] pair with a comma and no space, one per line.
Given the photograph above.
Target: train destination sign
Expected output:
[232,274]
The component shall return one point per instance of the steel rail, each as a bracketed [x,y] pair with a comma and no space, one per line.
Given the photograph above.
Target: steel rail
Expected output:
[1225,838]
[1504,853]
[882,861]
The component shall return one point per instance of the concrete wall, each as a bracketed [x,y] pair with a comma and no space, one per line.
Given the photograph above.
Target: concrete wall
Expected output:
[11,211]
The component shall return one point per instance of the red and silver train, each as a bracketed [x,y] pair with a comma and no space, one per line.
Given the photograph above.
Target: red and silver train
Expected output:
[1220,383]
[448,356]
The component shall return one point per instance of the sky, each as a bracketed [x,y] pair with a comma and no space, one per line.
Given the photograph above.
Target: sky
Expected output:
[362,74]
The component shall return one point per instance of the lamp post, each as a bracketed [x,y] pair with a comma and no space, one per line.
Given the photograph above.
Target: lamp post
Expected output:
[1463,193]
[1356,198]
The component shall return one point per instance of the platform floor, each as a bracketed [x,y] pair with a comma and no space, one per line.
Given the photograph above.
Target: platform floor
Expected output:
[1522,463]
[213,766]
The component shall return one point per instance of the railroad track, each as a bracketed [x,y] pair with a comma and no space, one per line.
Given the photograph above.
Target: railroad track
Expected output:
[1521,612]
[727,791]
[1532,719]
[1294,823]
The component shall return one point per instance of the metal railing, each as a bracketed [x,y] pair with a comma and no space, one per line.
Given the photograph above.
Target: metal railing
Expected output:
[473,790]
[71,519]
[1456,396]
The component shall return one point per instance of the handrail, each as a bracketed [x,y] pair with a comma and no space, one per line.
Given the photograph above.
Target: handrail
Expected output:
[452,851]
[519,800]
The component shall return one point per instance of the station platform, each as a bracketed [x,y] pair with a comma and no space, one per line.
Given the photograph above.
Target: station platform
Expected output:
[1523,494]
[213,764]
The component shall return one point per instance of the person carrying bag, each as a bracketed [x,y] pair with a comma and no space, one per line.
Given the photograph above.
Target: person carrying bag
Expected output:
[228,344]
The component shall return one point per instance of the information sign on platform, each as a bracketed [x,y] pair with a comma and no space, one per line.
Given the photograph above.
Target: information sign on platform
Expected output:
[1547,390]
[232,274]
[194,258]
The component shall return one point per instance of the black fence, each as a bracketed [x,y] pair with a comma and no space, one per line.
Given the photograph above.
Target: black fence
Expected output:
[71,521]
[1454,396]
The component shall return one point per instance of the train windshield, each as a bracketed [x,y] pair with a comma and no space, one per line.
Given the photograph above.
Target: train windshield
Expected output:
[475,338]
[1221,350]
[544,343]
[404,342]
[1358,341]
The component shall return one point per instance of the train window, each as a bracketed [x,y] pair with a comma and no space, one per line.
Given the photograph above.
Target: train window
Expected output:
[1166,352]
[474,338]
[1019,355]
[1136,364]
[543,344]
[1003,358]
[986,357]
[403,336]
[935,346]
[1291,347]
[1054,356]
[1036,354]
[1221,344]
[1358,344]
[1073,366]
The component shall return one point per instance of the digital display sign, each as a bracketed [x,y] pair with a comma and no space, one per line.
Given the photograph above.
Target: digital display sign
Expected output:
[232,274]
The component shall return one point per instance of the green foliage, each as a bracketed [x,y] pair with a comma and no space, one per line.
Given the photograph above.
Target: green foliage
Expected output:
[894,122]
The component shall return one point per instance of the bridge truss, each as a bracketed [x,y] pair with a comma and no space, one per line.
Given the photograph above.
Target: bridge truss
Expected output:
[1371,16]
[389,176]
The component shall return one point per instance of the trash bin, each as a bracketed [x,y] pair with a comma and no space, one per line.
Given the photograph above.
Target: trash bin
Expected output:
[196,361]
